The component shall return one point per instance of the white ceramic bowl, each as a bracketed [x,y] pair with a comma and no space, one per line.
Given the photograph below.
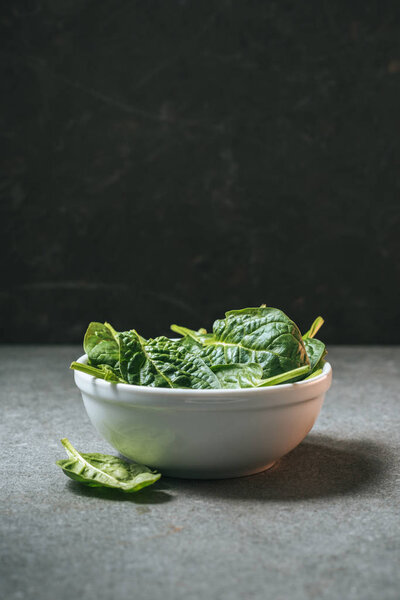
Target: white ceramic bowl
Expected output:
[203,433]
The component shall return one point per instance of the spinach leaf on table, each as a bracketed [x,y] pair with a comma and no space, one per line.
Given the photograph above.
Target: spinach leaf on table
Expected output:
[105,470]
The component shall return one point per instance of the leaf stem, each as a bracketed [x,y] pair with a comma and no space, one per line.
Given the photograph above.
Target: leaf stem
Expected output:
[315,327]
[282,377]
[69,448]
[77,366]
[73,453]
[185,331]
[314,374]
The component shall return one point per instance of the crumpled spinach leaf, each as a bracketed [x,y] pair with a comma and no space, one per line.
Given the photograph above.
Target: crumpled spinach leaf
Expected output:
[238,375]
[193,340]
[162,362]
[263,335]
[105,470]
[101,344]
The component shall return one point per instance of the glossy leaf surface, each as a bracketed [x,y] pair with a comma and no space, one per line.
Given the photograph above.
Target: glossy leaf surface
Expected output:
[265,336]
[248,348]
[315,350]
[101,344]
[238,375]
[162,363]
[105,470]
[193,340]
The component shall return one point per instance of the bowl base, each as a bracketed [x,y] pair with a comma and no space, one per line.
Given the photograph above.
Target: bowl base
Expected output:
[178,474]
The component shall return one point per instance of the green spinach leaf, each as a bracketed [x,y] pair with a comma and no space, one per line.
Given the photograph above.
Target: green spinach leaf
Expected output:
[101,344]
[162,362]
[251,375]
[104,470]
[315,350]
[193,340]
[263,335]
[238,375]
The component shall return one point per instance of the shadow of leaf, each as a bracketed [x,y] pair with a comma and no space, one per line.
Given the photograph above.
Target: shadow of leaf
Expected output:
[144,496]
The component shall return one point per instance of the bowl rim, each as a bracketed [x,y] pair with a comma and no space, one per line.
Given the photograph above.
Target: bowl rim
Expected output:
[305,383]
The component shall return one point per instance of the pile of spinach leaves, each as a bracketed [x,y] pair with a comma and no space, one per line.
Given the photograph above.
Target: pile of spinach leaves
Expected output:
[252,347]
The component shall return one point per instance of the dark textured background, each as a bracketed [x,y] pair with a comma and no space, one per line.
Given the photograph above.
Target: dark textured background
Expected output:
[164,161]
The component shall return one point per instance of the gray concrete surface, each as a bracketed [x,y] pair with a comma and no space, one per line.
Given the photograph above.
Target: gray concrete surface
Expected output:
[324,523]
